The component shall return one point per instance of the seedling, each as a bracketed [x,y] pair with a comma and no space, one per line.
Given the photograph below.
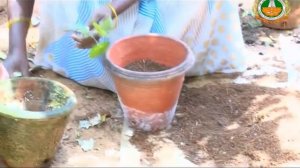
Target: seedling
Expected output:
[102,29]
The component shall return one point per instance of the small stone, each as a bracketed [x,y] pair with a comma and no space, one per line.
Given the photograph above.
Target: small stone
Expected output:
[271,45]
[260,53]
[129,132]
[179,115]
[240,4]
[298,42]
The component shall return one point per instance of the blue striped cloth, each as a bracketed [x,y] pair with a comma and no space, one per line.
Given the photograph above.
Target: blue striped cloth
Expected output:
[149,8]
[75,62]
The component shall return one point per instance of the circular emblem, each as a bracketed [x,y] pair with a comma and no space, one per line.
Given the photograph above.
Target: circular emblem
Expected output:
[272,10]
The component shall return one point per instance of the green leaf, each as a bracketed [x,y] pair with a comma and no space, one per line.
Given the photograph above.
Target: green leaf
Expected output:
[100,30]
[99,49]
[107,24]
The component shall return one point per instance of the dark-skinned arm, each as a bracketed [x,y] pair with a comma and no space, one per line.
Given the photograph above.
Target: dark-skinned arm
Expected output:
[119,5]
[17,60]
[122,5]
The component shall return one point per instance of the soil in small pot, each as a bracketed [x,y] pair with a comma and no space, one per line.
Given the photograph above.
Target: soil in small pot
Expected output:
[146,65]
[47,101]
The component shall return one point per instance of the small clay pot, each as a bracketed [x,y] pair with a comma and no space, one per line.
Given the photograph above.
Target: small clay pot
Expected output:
[149,99]
[33,116]
[293,20]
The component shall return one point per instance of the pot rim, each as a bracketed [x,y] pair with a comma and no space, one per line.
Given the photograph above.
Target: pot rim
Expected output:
[169,73]
[17,113]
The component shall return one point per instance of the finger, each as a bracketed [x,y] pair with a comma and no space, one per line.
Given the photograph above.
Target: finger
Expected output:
[80,46]
[76,38]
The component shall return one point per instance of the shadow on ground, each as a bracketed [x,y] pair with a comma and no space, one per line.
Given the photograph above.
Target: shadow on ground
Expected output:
[228,124]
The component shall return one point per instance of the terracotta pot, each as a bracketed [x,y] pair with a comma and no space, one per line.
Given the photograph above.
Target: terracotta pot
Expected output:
[33,116]
[293,20]
[149,99]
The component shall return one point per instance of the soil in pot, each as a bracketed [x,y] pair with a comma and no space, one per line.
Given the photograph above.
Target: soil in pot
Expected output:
[146,65]
[37,101]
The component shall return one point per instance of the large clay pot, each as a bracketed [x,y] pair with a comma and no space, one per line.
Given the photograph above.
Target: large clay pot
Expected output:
[33,116]
[149,99]
[293,20]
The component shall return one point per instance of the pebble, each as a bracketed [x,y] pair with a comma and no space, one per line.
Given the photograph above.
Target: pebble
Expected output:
[179,115]
[260,53]
[129,132]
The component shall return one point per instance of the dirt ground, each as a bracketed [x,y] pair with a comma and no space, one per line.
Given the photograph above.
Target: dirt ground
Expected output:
[246,119]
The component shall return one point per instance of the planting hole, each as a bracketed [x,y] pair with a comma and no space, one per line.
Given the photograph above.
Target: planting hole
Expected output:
[146,65]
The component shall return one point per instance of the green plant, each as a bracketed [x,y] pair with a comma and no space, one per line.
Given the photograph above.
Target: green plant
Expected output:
[103,28]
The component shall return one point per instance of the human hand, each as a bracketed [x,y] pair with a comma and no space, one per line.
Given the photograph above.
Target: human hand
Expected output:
[17,62]
[89,41]
[85,42]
